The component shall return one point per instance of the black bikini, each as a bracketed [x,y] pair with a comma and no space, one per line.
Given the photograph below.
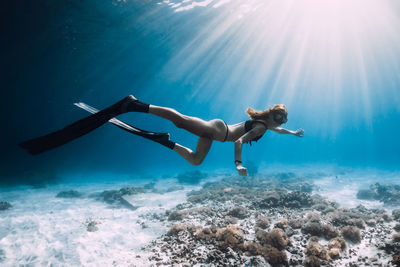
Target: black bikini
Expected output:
[248,125]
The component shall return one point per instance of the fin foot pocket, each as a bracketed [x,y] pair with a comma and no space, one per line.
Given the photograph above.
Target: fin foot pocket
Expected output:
[161,138]
[131,104]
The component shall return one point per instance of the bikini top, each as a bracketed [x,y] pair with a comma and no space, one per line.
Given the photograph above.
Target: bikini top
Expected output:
[248,125]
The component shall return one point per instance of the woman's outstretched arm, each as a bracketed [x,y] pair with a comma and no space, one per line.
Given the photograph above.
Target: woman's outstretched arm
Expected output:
[298,132]
[256,131]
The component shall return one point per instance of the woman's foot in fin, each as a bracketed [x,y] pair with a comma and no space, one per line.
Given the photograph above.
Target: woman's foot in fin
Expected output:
[161,138]
[132,104]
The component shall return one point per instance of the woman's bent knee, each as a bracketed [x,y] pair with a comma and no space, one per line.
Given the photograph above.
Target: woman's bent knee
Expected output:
[196,160]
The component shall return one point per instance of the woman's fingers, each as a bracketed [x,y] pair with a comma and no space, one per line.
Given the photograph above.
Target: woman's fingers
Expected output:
[300,132]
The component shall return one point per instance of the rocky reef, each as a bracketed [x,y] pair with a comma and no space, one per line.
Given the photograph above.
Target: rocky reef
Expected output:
[270,221]
[388,194]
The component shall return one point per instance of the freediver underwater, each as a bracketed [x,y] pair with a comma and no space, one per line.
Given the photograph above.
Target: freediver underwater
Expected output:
[207,131]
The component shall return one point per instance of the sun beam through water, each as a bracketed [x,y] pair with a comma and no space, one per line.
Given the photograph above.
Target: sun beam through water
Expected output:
[295,52]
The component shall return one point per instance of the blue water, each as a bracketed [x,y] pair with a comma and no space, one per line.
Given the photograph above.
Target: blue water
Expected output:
[334,64]
[212,59]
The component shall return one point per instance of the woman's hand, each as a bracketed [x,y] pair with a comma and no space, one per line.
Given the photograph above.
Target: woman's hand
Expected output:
[241,170]
[299,132]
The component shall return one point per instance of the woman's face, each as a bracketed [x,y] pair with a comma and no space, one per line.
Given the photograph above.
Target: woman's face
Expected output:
[279,116]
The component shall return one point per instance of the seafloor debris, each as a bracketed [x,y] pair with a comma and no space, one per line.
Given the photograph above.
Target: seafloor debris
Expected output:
[91,225]
[259,222]
[4,205]
[69,194]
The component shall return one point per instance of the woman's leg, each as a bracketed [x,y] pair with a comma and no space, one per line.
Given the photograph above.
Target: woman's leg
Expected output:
[194,125]
[203,146]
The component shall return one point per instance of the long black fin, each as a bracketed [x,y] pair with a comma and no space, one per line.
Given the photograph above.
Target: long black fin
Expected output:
[161,138]
[77,129]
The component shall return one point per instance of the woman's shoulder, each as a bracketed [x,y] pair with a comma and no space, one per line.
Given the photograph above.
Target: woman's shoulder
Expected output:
[260,122]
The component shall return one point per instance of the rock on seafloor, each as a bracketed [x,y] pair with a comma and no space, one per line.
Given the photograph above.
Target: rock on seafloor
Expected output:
[388,194]
[4,205]
[69,194]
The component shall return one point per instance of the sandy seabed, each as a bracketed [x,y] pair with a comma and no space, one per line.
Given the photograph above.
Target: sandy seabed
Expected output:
[302,218]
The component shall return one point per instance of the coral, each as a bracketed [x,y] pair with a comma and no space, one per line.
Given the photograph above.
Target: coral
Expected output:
[229,236]
[334,253]
[238,212]
[297,199]
[313,217]
[351,233]
[329,232]
[262,222]
[205,233]
[321,207]
[204,211]
[312,228]
[295,223]
[397,227]
[312,261]
[176,229]
[275,238]
[337,242]
[316,249]
[345,217]
[251,248]
[274,256]
[282,224]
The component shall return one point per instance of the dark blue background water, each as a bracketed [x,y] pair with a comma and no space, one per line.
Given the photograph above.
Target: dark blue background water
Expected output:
[57,53]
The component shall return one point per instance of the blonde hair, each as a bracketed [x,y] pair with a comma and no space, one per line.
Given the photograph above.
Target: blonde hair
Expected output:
[263,114]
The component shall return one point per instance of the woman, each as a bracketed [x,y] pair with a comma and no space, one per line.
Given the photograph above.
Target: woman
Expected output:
[208,131]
